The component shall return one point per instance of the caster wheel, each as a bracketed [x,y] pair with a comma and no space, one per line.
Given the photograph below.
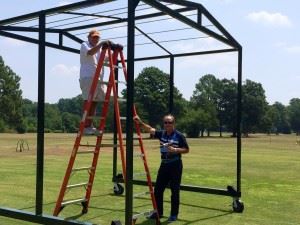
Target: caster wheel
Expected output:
[118,189]
[238,206]
[116,222]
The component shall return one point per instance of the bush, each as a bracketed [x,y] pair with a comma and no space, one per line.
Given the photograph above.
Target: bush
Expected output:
[21,128]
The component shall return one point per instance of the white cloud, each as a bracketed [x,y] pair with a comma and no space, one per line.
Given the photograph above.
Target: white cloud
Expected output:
[61,69]
[270,19]
[293,49]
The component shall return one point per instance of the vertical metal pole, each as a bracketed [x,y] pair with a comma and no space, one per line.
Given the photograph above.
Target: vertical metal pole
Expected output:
[115,148]
[40,116]
[239,122]
[171,87]
[129,110]
[199,16]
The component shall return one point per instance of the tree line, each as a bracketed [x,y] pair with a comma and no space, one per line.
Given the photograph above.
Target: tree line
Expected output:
[212,107]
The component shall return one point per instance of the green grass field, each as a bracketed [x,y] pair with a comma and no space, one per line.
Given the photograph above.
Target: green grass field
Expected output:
[270,180]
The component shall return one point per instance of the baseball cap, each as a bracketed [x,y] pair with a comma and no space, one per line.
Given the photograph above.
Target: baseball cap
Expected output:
[94,33]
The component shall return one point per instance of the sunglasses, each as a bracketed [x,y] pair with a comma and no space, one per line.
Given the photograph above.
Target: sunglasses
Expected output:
[168,122]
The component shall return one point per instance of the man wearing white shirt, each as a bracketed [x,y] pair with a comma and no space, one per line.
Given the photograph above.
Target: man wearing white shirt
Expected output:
[89,55]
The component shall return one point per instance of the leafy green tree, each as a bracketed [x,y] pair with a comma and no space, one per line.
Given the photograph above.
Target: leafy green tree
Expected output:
[193,122]
[152,96]
[29,109]
[72,105]
[267,123]
[70,122]
[294,114]
[206,96]
[280,119]
[53,120]
[254,106]
[11,99]
[227,106]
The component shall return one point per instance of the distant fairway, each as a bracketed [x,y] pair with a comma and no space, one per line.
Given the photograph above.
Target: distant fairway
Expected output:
[270,180]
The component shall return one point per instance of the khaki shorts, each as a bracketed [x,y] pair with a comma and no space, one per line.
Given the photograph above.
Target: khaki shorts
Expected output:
[85,84]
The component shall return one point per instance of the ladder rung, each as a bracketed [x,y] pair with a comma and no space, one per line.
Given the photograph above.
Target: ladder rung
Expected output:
[139,174]
[147,213]
[121,82]
[69,202]
[101,145]
[114,66]
[122,100]
[77,185]
[109,145]
[95,117]
[87,145]
[137,154]
[81,168]
[116,81]
[141,194]
[96,133]
[85,152]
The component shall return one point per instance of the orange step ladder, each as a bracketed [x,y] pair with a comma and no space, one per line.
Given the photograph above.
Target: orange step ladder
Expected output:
[112,52]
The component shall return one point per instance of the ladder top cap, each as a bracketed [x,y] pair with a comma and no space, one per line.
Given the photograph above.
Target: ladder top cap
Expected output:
[113,46]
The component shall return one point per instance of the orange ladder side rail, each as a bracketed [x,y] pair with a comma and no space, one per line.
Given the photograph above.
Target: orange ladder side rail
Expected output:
[79,134]
[118,125]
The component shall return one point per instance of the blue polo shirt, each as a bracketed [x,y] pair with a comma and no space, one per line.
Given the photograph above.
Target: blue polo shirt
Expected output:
[175,139]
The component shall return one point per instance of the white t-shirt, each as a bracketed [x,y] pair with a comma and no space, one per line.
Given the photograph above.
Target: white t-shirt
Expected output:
[88,63]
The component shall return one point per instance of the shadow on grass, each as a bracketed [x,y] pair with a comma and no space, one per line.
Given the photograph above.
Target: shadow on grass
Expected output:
[164,220]
[106,211]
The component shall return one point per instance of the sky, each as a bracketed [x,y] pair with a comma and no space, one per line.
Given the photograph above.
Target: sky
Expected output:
[268,30]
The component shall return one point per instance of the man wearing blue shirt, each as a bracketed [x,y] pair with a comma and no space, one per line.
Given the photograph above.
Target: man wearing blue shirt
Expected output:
[172,145]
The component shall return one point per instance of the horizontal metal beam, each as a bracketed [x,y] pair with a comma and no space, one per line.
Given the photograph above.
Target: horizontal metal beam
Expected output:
[74,6]
[124,20]
[28,29]
[36,41]
[187,54]
[31,217]
[91,14]
[182,2]
[191,188]
[208,16]
[188,21]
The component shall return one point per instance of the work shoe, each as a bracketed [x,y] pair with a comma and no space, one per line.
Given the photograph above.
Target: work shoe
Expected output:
[89,130]
[172,219]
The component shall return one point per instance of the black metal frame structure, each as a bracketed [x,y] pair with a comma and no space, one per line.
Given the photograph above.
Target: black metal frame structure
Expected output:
[9,28]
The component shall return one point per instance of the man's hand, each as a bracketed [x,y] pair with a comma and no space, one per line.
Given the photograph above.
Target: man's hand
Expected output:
[172,149]
[137,119]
